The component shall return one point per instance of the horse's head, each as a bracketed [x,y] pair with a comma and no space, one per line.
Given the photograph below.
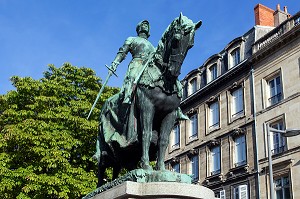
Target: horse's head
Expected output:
[179,38]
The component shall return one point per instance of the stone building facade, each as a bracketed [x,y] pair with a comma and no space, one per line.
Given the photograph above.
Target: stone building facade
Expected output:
[230,98]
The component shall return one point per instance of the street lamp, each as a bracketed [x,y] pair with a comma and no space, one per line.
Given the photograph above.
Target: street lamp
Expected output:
[284,133]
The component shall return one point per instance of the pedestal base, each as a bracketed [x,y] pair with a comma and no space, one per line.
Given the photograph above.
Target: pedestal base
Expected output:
[156,190]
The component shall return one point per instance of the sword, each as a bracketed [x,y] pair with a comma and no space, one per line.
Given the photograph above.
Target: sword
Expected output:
[110,73]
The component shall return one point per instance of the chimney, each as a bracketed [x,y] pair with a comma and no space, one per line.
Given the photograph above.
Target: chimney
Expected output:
[263,15]
[280,16]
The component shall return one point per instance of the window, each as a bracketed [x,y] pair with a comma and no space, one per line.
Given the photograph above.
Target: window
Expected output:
[176,168]
[237,102]
[194,168]
[277,141]
[176,137]
[193,126]
[214,115]
[275,91]
[193,86]
[297,21]
[235,57]
[215,160]
[240,150]
[222,194]
[282,188]
[240,192]
[213,72]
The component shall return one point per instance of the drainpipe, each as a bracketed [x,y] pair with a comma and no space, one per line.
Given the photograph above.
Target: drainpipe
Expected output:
[253,104]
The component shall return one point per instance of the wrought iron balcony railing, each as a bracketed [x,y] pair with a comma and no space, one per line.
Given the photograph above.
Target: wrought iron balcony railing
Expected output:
[274,34]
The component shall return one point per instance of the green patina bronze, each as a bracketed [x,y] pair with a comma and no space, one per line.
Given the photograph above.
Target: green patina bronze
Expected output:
[135,124]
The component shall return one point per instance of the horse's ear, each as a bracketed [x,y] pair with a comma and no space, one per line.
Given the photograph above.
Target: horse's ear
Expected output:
[198,24]
[180,19]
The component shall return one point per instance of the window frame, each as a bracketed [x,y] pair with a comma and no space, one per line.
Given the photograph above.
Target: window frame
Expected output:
[192,86]
[212,124]
[174,136]
[213,75]
[221,194]
[213,170]
[193,134]
[283,187]
[237,191]
[233,62]
[241,103]
[237,162]
[282,141]
[277,91]
[266,89]
[193,167]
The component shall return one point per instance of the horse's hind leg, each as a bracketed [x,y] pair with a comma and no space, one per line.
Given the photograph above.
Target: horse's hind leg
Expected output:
[165,130]
[101,170]
[116,171]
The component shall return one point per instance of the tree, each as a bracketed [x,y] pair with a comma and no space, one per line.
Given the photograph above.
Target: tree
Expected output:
[46,142]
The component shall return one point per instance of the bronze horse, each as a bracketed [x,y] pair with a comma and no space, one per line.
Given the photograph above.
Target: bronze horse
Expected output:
[140,133]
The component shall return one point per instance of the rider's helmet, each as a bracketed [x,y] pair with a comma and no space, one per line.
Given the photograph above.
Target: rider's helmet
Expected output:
[139,25]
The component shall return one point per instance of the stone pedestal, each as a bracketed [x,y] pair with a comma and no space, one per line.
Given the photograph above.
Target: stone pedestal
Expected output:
[156,190]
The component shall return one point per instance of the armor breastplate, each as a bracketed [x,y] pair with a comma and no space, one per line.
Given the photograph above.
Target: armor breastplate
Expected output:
[140,48]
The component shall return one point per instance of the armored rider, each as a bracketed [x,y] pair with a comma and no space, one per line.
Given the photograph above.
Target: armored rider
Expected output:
[140,49]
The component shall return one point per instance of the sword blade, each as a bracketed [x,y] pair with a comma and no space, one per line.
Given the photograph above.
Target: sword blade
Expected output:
[100,92]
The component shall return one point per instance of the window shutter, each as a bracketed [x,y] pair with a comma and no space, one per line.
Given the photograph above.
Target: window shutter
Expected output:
[222,194]
[243,192]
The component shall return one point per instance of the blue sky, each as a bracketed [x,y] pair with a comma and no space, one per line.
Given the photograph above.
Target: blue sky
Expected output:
[35,33]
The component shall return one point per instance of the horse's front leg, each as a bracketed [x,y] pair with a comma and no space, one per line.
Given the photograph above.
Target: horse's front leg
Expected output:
[146,117]
[165,130]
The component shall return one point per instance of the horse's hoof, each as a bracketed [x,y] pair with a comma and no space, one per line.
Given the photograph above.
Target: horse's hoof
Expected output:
[145,166]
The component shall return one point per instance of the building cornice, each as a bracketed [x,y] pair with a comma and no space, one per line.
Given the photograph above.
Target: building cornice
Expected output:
[239,69]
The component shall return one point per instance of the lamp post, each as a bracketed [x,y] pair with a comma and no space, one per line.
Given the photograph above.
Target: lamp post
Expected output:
[284,133]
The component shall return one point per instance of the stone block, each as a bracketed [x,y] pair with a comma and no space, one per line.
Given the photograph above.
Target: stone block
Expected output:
[156,190]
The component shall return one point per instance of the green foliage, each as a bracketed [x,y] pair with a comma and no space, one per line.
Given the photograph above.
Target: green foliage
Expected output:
[46,142]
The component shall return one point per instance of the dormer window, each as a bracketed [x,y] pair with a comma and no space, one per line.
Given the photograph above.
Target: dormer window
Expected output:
[235,52]
[212,67]
[235,57]
[193,86]
[213,72]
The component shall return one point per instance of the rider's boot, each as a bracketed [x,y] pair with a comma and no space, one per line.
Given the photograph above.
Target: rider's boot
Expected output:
[127,93]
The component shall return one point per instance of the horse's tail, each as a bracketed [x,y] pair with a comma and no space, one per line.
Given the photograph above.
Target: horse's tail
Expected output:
[97,154]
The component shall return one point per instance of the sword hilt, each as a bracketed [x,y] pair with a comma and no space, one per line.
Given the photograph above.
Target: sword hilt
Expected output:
[111,70]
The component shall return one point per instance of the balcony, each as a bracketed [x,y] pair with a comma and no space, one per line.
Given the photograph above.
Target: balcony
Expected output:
[194,136]
[278,150]
[215,172]
[175,145]
[238,114]
[275,99]
[277,32]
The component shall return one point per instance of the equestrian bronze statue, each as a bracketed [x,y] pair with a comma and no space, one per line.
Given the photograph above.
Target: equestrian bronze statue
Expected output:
[135,124]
